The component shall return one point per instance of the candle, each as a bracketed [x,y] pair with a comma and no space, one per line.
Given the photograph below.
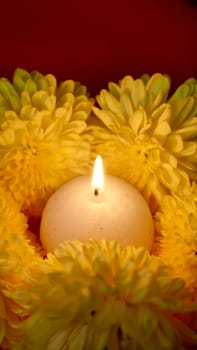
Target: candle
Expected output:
[107,208]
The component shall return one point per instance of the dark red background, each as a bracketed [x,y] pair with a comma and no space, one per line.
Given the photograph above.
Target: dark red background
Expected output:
[97,41]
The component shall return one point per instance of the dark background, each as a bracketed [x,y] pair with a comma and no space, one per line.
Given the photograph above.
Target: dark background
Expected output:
[95,41]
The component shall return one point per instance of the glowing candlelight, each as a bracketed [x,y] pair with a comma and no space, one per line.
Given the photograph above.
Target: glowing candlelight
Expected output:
[98,176]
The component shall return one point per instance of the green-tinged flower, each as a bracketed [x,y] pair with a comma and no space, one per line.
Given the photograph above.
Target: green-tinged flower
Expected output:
[176,222]
[144,137]
[42,139]
[98,295]
[184,126]
[17,258]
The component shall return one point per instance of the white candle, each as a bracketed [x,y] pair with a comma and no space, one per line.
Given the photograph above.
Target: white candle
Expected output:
[108,208]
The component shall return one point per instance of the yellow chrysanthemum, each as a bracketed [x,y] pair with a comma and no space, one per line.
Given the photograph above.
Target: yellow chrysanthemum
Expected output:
[98,295]
[16,258]
[176,222]
[42,139]
[145,138]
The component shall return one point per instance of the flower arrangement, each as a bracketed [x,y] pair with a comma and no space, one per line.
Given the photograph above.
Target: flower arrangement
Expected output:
[98,295]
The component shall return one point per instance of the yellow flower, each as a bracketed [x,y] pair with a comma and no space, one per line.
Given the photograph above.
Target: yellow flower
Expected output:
[99,295]
[42,139]
[176,222]
[16,258]
[145,138]
[184,126]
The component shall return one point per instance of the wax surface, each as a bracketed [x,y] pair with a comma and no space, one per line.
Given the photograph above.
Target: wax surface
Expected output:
[118,213]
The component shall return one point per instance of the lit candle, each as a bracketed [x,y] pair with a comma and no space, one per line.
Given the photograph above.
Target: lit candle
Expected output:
[107,208]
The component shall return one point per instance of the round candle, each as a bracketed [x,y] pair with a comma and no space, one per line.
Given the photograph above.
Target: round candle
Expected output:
[110,209]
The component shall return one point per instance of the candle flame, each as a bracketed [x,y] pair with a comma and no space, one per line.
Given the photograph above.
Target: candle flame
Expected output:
[98,176]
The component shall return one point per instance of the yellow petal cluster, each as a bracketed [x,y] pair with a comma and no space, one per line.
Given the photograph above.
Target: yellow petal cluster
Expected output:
[42,140]
[98,295]
[176,223]
[17,258]
[146,138]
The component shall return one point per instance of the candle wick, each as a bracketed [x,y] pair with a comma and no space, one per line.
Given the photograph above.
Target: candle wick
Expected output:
[96,192]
